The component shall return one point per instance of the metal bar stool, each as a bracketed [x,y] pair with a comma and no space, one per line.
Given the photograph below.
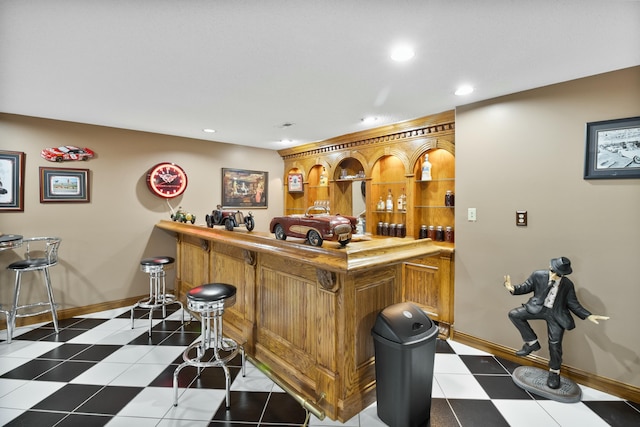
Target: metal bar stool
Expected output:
[42,253]
[158,296]
[209,301]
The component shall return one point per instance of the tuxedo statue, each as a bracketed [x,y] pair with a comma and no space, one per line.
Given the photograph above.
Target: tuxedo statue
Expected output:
[554,299]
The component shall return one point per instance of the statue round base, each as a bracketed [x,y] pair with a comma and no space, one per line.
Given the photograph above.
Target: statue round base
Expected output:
[535,380]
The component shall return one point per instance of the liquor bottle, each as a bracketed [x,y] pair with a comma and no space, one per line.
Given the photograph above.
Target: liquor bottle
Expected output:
[399,202]
[324,180]
[404,201]
[389,202]
[426,169]
[380,206]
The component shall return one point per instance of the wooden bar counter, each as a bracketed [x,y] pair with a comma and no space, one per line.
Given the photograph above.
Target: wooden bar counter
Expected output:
[304,313]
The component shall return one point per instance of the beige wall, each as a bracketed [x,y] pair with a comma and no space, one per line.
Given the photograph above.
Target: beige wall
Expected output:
[526,152]
[104,240]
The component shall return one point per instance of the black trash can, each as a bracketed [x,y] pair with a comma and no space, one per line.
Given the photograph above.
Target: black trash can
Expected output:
[404,341]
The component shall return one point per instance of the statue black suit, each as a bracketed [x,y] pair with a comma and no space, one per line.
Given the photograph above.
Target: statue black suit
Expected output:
[554,299]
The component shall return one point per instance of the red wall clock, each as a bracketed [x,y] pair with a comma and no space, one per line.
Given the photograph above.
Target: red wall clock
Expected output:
[167,180]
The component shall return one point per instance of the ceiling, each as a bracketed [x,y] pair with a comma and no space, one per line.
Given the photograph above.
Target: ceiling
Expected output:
[259,72]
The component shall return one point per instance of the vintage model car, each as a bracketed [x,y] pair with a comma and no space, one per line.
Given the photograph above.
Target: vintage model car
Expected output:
[66,152]
[315,225]
[183,216]
[230,219]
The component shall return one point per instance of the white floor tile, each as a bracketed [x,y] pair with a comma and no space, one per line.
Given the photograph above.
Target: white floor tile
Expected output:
[524,413]
[32,350]
[466,350]
[138,375]
[9,363]
[152,402]
[254,380]
[369,417]
[353,422]
[589,393]
[29,394]
[7,385]
[162,354]
[7,415]
[183,423]
[196,404]
[133,421]
[102,373]
[572,414]
[92,336]
[122,336]
[459,386]
[449,364]
[107,314]
[128,354]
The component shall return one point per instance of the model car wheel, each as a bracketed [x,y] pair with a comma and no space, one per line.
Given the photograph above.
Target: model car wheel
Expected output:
[58,159]
[249,223]
[344,243]
[279,232]
[207,219]
[636,159]
[228,224]
[314,238]
[217,217]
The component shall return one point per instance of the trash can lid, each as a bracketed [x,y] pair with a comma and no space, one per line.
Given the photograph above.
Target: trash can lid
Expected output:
[404,323]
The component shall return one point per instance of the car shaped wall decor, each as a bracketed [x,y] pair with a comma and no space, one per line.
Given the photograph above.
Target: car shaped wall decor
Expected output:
[315,225]
[230,219]
[65,153]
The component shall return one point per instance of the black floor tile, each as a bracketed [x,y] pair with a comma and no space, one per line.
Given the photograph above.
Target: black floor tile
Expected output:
[97,352]
[64,335]
[501,387]
[443,346]
[64,352]
[233,424]
[66,371]
[109,400]
[213,378]
[441,414]
[616,413]
[508,364]
[167,326]
[474,413]
[180,338]
[81,420]
[36,419]
[87,323]
[68,397]
[156,337]
[31,369]
[165,378]
[245,406]
[35,334]
[282,408]
[483,365]
[65,323]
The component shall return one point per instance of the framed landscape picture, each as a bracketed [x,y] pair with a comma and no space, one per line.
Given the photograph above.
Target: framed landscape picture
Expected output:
[64,185]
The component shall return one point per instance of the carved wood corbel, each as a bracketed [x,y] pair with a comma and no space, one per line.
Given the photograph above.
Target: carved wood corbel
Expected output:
[327,280]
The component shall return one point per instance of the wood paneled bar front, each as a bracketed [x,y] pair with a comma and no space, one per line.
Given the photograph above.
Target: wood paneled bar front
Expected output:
[305,313]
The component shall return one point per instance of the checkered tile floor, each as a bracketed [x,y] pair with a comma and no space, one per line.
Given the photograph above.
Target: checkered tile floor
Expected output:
[98,371]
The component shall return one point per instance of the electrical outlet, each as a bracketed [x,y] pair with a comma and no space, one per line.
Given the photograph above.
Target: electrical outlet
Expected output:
[521,218]
[471,214]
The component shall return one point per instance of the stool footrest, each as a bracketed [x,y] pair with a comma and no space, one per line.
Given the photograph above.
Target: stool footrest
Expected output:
[35,304]
[228,346]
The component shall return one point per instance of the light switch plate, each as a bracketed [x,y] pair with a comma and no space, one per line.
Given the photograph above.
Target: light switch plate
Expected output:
[471,214]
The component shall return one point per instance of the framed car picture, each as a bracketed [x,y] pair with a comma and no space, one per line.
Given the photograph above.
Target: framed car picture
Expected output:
[613,149]
[244,188]
[294,183]
[11,181]
[64,185]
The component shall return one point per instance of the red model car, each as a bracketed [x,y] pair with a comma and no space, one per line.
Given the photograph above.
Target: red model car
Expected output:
[316,225]
[66,152]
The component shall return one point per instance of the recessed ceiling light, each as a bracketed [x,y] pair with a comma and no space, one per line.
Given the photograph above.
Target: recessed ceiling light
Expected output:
[402,53]
[369,120]
[208,130]
[286,141]
[464,90]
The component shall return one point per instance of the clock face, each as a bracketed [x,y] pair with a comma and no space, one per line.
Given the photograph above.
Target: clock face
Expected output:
[167,180]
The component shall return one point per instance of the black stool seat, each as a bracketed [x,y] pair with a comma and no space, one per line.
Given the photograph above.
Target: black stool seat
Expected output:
[158,260]
[26,264]
[211,292]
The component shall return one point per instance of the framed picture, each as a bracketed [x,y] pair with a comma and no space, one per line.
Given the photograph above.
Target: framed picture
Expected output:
[64,185]
[295,183]
[11,181]
[613,149]
[244,188]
